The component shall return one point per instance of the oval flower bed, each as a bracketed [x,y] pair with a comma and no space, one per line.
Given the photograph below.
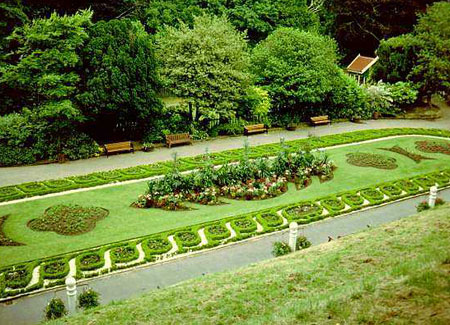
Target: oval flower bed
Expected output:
[90,261]
[124,253]
[217,232]
[188,238]
[157,245]
[332,204]
[55,269]
[352,199]
[271,220]
[391,190]
[372,195]
[408,186]
[304,212]
[244,225]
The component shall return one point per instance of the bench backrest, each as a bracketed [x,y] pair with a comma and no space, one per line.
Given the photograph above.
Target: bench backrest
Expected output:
[118,145]
[319,118]
[179,136]
[255,126]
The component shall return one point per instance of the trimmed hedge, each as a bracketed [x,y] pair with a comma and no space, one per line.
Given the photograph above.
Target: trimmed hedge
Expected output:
[9,193]
[124,253]
[188,239]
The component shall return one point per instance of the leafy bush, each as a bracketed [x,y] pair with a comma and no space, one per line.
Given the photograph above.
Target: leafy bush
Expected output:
[88,299]
[280,248]
[55,309]
[302,243]
[403,93]
[422,206]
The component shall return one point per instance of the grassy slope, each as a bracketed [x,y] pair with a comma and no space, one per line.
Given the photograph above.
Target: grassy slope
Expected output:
[397,273]
[125,222]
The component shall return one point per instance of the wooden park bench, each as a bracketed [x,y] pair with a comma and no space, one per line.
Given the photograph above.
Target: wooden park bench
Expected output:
[317,120]
[255,128]
[118,147]
[178,139]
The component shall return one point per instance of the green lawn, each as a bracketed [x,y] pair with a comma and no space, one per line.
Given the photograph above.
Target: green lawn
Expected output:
[125,222]
[394,274]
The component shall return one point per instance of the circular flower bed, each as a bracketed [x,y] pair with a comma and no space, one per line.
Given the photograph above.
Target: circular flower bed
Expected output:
[304,210]
[272,219]
[68,219]
[217,231]
[332,204]
[433,146]
[362,159]
[123,253]
[352,199]
[157,245]
[188,238]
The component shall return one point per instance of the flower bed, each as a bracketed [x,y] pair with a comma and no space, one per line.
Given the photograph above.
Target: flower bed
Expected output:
[33,188]
[372,195]
[433,146]
[156,245]
[424,181]
[332,204]
[353,199]
[8,193]
[86,180]
[362,159]
[270,220]
[217,231]
[391,190]
[304,212]
[55,269]
[91,260]
[68,219]
[18,276]
[413,156]
[244,225]
[188,238]
[57,185]
[440,178]
[135,172]
[256,189]
[124,253]
[4,240]
[408,186]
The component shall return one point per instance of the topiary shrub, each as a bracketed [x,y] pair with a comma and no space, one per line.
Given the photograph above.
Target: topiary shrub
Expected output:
[55,309]
[88,299]
[280,248]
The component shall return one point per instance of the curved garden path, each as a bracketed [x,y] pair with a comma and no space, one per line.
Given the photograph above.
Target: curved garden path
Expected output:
[17,175]
[134,282]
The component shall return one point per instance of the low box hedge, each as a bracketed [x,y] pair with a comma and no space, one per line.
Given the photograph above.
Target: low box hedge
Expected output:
[91,260]
[124,253]
[56,268]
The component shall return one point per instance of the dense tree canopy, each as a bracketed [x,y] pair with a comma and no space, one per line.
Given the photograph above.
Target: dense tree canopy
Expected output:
[422,56]
[207,65]
[360,25]
[120,78]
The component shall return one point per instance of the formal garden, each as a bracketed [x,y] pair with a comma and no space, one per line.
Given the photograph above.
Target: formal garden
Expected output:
[108,222]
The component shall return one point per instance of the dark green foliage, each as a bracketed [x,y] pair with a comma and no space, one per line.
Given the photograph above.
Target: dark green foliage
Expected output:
[362,159]
[118,92]
[55,269]
[55,309]
[188,238]
[18,276]
[287,61]
[4,240]
[372,195]
[352,199]
[332,204]
[302,243]
[88,299]
[391,190]
[244,225]
[90,260]
[68,219]
[280,248]
[422,206]
[422,56]
[217,232]
[156,245]
[124,253]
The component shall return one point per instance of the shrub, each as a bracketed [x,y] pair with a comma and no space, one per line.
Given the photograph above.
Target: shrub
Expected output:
[55,309]
[439,201]
[302,243]
[88,299]
[280,248]
[422,206]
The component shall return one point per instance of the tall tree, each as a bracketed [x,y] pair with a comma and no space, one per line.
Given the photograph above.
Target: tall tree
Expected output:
[120,79]
[360,25]
[207,65]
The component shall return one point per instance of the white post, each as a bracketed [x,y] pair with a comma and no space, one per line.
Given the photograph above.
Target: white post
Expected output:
[71,289]
[293,231]
[432,197]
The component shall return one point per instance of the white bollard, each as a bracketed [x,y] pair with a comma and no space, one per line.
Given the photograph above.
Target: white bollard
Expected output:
[432,197]
[71,289]
[293,232]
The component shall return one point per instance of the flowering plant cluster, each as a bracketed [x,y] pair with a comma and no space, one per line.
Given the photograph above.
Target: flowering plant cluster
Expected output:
[249,179]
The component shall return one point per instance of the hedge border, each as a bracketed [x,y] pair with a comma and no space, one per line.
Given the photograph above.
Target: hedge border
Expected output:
[219,158]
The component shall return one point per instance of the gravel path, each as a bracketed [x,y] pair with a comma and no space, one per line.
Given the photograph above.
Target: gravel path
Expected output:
[29,310]
[16,175]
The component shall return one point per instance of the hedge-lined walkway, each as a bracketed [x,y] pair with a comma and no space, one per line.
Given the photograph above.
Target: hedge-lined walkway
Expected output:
[129,284]
[17,175]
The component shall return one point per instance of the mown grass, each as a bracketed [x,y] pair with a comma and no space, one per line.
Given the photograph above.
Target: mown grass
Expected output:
[125,222]
[394,274]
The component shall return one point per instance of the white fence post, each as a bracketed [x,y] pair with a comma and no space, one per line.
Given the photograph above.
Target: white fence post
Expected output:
[71,289]
[293,232]
[432,197]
